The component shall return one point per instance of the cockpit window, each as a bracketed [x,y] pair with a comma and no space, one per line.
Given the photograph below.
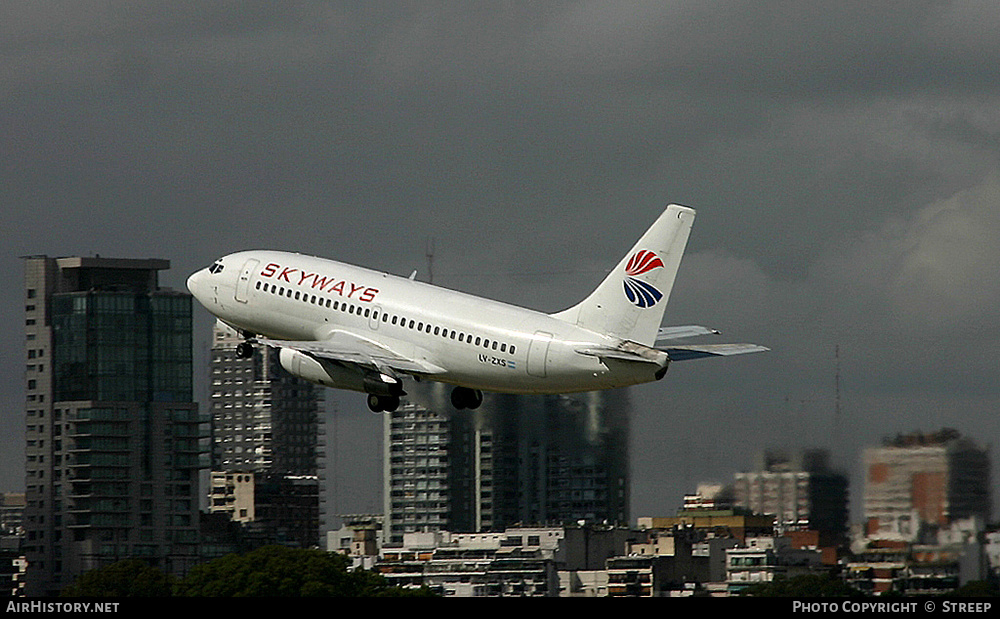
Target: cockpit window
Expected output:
[215,268]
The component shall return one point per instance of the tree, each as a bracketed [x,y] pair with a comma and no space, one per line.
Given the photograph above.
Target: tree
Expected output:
[806,585]
[277,571]
[127,578]
[977,588]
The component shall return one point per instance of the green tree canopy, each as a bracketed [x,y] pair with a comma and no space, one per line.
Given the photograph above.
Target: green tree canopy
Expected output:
[127,578]
[977,588]
[807,585]
[276,571]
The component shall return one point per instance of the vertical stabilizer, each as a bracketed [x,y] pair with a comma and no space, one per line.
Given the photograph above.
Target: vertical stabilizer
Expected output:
[629,303]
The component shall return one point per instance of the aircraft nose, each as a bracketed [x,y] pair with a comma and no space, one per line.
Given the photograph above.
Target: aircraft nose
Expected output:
[193,281]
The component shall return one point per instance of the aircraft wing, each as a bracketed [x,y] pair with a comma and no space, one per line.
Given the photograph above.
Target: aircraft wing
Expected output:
[684,353]
[343,347]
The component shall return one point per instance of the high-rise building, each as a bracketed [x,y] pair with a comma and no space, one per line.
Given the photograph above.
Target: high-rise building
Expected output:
[917,483]
[800,490]
[516,459]
[560,459]
[265,437]
[113,434]
[416,469]
[11,513]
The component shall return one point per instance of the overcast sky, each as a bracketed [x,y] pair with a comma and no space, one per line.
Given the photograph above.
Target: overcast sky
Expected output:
[842,157]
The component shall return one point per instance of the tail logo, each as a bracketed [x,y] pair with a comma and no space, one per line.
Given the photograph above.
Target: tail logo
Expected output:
[638,292]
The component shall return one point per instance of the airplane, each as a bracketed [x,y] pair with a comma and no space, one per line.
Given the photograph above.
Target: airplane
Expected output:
[352,328]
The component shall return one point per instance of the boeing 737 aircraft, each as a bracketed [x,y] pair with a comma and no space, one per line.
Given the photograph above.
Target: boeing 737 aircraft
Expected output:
[352,328]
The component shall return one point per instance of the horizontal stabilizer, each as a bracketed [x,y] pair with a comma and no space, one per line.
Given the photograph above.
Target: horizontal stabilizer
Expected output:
[667,334]
[622,355]
[684,353]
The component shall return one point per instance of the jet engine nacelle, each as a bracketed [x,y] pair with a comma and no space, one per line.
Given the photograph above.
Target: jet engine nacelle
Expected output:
[329,374]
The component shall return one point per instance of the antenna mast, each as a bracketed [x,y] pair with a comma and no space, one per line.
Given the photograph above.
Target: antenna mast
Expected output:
[429,253]
[836,399]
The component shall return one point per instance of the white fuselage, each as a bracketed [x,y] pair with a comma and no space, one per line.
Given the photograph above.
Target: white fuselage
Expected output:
[476,342]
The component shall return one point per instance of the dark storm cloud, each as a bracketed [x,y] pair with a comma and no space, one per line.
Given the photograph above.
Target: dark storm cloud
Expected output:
[842,158]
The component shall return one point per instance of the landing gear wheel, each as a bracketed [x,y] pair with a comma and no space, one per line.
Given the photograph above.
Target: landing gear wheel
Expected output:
[463,397]
[380,403]
[244,350]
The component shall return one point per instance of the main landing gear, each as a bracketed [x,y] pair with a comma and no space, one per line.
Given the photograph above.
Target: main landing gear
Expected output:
[463,397]
[244,350]
[380,403]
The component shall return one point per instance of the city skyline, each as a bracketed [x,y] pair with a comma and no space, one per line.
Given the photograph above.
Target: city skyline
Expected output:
[843,161]
[855,489]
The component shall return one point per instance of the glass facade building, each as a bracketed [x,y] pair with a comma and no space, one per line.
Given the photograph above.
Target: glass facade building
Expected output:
[114,438]
[115,346]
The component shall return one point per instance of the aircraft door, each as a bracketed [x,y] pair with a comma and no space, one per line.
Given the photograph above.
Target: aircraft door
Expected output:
[243,284]
[538,353]
[375,317]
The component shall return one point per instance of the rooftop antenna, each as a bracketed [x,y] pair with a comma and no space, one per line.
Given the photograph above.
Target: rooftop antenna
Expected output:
[429,252]
[836,398]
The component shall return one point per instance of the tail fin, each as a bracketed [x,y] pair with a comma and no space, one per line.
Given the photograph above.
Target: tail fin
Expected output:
[629,303]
